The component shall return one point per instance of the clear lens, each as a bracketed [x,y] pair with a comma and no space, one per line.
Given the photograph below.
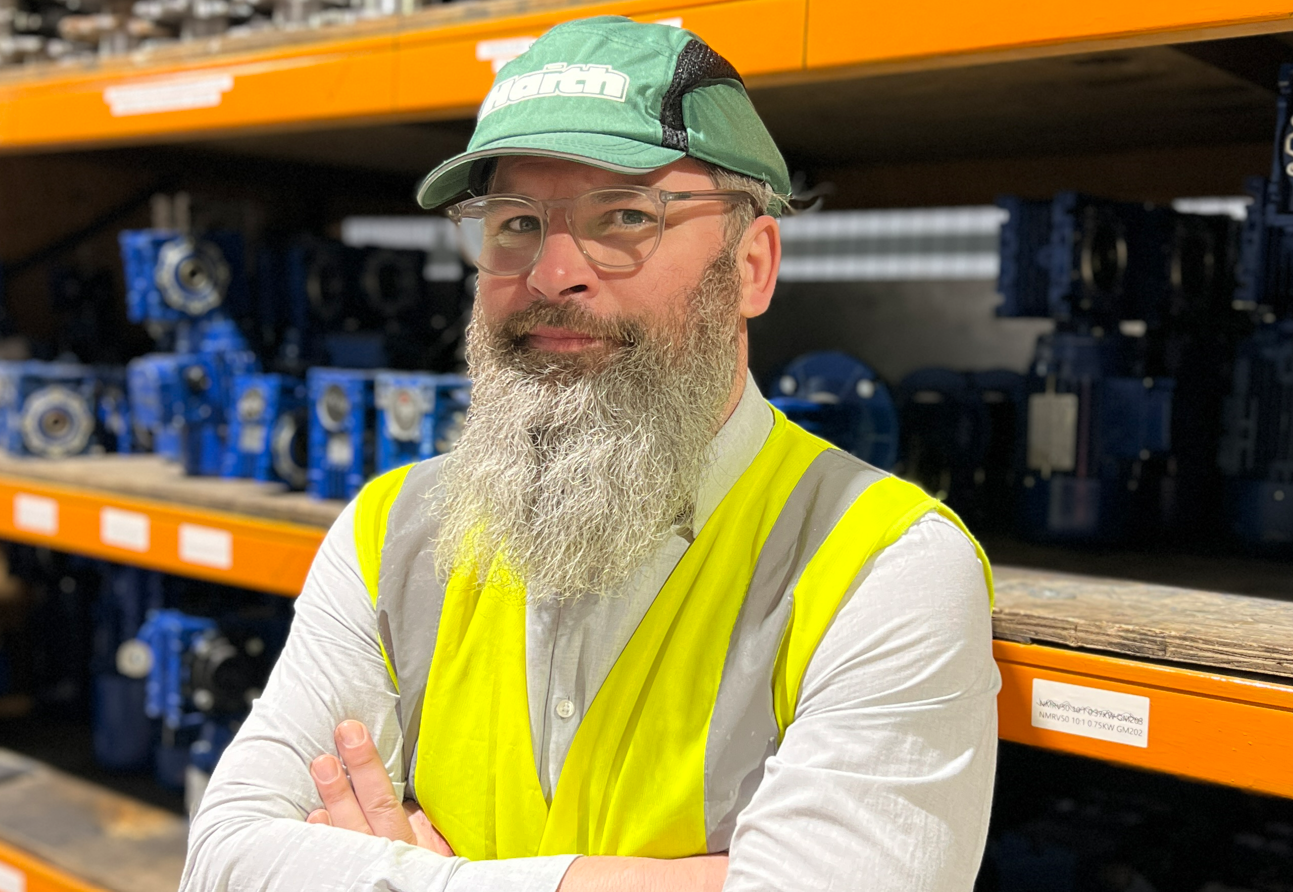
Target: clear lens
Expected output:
[501,235]
[618,228]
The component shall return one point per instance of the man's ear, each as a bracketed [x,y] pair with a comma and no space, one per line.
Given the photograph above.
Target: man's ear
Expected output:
[759,258]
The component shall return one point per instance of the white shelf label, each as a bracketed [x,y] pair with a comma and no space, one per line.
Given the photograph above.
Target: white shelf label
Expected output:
[206,546]
[12,879]
[1091,712]
[35,514]
[172,94]
[124,529]
[500,51]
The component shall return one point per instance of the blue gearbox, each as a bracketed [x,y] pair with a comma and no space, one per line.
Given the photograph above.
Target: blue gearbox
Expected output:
[419,415]
[341,431]
[265,411]
[841,399]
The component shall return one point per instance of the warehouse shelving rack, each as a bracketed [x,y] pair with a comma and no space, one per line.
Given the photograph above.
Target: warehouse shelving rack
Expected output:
[1221,713]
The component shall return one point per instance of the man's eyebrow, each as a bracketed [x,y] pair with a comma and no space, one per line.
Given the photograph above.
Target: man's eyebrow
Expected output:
[605,195]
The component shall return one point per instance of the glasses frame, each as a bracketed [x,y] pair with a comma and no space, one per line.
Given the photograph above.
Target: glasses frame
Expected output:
[660,197]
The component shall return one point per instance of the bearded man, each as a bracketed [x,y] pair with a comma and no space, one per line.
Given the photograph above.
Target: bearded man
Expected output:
[638,631]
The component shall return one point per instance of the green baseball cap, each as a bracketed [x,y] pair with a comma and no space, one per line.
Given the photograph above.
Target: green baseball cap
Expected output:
[620,95]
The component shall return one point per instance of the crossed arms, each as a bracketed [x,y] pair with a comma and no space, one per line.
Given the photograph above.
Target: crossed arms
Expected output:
[883,781]
[366,803]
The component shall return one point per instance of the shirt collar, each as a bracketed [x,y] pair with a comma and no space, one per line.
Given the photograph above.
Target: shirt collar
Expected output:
[734,447]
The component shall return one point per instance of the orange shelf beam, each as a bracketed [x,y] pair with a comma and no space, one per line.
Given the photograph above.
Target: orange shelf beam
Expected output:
[221,547]
[845,33]
[449,69]
[434,64]
[439,63]
[1200,725]
[21,871]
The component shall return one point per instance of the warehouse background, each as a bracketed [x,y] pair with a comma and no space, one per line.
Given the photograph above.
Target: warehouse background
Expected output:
[1046,277]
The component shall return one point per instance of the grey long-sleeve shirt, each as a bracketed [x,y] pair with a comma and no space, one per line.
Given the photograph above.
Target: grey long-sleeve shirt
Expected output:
[882,782]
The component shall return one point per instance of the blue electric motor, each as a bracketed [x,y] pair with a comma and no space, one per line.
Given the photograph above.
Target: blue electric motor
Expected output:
[1256,452]
[123,734]
[264,421]
[841,399]
[156,405]
[944,433]
[341,431]
[115,424]
[961,436]
[51,409]
[1090,428]
[1003,395]
[418,416]
[202,676]
[206,390]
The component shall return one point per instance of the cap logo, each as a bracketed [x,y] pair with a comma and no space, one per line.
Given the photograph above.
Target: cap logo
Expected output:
[557,79]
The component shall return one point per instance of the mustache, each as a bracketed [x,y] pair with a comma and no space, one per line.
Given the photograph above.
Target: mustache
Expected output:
[571,316]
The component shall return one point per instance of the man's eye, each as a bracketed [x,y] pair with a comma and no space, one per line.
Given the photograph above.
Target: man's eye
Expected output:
[520,224]
[631,217]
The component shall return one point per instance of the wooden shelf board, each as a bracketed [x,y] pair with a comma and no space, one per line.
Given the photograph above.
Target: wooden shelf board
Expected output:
[63,834]
[1237,633]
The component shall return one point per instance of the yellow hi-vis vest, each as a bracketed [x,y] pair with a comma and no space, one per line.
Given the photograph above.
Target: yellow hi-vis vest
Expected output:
[673,744]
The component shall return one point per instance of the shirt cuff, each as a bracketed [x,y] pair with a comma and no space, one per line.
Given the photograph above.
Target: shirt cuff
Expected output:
[542,874]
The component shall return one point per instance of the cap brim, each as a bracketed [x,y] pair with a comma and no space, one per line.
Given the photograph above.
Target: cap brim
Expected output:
[451,179]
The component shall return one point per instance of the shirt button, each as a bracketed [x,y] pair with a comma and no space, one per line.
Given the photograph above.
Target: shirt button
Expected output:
[565,708]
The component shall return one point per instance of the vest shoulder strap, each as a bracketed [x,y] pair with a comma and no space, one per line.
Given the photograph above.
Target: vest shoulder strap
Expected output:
[876,519]
[372,513]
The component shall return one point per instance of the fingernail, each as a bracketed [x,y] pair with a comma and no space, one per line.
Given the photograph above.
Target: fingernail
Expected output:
[326,769]
[352,733]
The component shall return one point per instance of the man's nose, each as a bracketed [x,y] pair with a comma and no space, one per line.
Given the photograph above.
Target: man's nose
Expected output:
[562,270]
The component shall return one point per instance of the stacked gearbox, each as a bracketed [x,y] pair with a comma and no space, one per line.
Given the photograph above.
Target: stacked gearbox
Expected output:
[297,360]
[32,30]
[315,403]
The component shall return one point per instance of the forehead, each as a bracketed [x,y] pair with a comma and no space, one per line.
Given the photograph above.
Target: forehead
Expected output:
[559,178]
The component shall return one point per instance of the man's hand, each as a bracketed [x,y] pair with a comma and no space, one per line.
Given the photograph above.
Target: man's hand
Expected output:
[366,803]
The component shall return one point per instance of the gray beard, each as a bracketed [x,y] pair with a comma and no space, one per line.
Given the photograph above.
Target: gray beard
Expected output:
[574,470]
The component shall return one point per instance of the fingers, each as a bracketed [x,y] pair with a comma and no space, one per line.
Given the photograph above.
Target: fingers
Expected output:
[427,836]
[373,790]
[319,816]
[338,798]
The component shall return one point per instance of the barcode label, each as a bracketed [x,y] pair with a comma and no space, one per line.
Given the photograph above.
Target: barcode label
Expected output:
[1091,712]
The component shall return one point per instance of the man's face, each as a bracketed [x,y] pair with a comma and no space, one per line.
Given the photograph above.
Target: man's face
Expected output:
[595,396]
[601,303]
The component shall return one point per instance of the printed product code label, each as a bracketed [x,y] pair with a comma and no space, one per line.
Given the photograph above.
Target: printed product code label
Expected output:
[124,529]
[36,514]
[12,879]
[179,94]
[1091,712]
[206,546]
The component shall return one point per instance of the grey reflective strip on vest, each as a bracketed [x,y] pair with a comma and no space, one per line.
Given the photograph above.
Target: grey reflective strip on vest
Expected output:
[409,600]
[743,730]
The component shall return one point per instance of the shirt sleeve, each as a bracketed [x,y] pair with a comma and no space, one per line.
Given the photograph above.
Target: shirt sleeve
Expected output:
[884,779]
[250,832]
